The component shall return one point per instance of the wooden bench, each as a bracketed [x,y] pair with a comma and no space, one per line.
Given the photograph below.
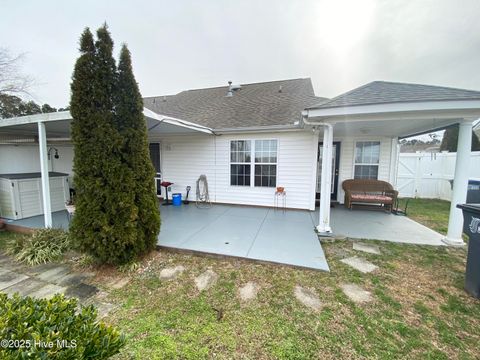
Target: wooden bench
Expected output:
[369,191]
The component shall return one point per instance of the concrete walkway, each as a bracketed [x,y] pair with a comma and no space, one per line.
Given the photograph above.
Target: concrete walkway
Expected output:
[46,280]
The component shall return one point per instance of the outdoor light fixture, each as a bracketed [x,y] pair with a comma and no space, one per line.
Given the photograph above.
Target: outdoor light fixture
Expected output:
[56,156]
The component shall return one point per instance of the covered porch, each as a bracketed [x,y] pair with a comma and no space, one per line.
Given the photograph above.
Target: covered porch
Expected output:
[43,141]
[395,111]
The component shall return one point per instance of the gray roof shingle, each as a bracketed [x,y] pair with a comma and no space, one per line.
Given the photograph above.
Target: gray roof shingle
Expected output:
[383,92]
[257,104]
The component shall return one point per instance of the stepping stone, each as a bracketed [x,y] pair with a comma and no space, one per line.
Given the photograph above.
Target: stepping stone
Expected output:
[371,249]
[171,273]
[120,283]
[10,278]
[54,274]
[308,298]
[81,291]
[205,280]
[248,291]
[38,269]
[360,264]
[47,291]
[356,293]
[71,279]
[25,287]
[9,264]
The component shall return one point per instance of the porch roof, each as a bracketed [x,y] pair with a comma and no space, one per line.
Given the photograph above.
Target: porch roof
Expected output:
[57,124]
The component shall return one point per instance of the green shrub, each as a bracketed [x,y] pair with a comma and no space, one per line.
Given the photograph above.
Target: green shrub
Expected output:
[51,329]
[44,245]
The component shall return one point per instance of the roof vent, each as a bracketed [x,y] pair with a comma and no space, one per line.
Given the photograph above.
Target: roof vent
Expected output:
[164,98]
[232,88]
[229,92]
[280,88]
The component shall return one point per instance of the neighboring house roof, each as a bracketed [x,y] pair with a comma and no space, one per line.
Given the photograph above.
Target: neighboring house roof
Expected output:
[258,104]
[383,92]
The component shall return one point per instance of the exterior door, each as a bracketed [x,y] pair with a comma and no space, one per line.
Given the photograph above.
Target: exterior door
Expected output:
[155,158]
[335,165]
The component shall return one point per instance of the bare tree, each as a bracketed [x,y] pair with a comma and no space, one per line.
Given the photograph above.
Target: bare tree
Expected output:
[12,80]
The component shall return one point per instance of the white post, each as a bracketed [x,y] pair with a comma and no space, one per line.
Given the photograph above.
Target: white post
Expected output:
[460,184]
[42,145]
[326,180]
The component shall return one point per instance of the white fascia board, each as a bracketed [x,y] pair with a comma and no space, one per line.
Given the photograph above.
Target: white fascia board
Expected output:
[30,119]
[456,105]
[176,122]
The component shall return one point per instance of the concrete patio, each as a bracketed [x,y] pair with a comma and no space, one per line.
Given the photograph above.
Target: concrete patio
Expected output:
[241,231]
[379,225]
[269,235]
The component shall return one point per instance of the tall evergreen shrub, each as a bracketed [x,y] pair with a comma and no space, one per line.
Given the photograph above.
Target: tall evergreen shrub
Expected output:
[106,216]
[133,128]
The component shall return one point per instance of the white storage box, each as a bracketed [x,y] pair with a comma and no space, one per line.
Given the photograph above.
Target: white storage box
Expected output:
[21,194]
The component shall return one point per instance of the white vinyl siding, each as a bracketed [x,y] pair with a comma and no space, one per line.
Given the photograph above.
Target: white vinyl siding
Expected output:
[185,158]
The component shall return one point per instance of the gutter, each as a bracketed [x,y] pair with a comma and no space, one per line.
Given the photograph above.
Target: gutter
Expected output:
[315,124]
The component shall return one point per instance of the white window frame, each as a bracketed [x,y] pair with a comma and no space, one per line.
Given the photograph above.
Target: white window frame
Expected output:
[366,164]
[255,163]
[239,163]
[252,162]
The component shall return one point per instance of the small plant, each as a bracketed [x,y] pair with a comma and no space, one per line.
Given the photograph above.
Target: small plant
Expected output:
[86,260]
[129,267]
[54,329]
[44,245]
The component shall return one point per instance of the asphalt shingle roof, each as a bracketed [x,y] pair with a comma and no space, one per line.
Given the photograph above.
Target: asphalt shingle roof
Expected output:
[257,104]
[383,92]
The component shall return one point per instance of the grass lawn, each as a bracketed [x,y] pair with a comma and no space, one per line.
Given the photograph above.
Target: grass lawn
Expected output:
[432,213]
[419,308]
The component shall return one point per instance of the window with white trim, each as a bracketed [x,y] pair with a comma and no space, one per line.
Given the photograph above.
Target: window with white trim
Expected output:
[261,154]
[240,162]
[367,159]
[266,163]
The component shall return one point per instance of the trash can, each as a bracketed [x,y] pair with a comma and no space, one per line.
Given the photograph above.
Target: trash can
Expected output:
[177,199]
[473,193]
[471,227]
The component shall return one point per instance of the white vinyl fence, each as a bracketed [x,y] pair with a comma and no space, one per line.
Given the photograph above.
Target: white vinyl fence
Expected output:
[429,175]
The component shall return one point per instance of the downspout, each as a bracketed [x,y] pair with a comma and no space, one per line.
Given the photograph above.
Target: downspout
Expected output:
[323,227]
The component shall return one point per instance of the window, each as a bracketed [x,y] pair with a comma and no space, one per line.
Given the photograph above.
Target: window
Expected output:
[367,158]
[240,162]
[266,163]
[261,154]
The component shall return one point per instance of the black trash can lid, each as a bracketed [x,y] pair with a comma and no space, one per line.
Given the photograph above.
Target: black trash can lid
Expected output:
[470,207]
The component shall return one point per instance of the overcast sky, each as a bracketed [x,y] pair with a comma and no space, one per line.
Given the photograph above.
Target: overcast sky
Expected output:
[179,45]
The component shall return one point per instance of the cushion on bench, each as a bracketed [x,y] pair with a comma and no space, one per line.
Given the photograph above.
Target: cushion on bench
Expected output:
[372,198]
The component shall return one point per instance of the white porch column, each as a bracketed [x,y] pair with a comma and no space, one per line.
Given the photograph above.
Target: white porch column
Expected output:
[460,184]
[42,145]
[326,180]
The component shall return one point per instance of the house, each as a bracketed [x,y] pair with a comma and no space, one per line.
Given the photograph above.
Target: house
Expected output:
[249,138]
